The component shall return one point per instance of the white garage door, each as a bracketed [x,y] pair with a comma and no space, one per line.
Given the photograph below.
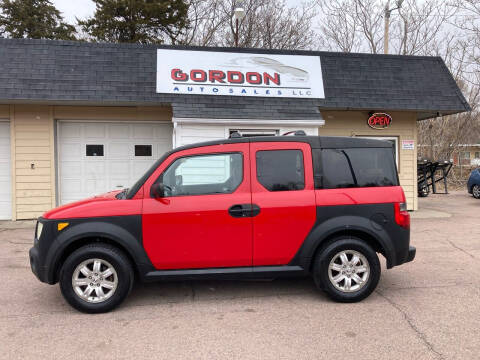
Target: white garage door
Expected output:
[94,158]
[5,176]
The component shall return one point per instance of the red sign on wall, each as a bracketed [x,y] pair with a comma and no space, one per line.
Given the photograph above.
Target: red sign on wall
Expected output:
[379,121]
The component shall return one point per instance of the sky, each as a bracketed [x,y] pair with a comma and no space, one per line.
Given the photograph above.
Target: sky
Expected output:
[85,8]
[75,8]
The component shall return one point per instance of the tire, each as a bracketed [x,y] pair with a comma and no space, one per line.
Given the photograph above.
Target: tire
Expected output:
[424,190]
[330,256]
[82,267]
[476,191]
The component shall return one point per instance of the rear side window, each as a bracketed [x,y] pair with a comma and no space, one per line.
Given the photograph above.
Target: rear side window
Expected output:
[359,167]
[280,170]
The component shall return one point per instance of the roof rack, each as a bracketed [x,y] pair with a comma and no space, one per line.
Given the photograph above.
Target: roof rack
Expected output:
[295,133]
[235,135]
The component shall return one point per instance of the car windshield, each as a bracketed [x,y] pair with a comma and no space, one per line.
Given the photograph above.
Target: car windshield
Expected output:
[135,187]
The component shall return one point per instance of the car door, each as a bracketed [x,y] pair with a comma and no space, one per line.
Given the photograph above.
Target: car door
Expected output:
[203,220]
[283,189]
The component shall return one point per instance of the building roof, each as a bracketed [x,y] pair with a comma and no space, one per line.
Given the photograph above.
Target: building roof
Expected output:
[69,72]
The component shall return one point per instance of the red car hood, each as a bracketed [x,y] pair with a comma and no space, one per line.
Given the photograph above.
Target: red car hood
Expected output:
[100,205]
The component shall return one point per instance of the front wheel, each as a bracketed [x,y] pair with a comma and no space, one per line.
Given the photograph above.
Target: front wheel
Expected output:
[347,269]
[96,278]
[476,191]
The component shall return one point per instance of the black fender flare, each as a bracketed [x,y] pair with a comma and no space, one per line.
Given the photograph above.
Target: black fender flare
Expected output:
[98,229]
[342,225]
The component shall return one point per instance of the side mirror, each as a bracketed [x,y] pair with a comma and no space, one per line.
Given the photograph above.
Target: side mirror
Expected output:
[158,190]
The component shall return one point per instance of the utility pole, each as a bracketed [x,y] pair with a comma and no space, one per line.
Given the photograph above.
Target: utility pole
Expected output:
[388,12]
[238,15]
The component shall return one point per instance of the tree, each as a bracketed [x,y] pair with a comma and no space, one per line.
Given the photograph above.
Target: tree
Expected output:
[137,21]
[269,24]
[416,28]
[34,19]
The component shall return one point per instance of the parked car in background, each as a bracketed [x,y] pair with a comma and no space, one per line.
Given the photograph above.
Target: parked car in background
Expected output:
[473,184]
[262,207]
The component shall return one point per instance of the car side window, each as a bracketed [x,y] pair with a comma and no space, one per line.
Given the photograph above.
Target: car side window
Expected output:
[280,170]
[203,175]
[359,167]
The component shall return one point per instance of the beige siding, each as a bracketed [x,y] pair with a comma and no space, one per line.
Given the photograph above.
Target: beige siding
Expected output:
[404,127]
[34,144]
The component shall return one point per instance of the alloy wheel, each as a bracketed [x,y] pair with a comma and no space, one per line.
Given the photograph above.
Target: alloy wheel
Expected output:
[349,271]
[95,280]
[476,191]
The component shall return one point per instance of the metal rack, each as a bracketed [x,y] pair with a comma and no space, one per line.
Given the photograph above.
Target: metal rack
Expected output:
[429,173]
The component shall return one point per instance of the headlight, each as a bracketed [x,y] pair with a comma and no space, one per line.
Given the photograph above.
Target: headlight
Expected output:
[39,229]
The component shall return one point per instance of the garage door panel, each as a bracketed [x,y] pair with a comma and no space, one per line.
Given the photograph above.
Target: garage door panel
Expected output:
[95,169]
[82,176]
[73,190]
[143,131]
[95,186]
[5,174]
[118,168]
[119,150]
[139,167]
[71,131]
[161,132]
[119,131]
[95,131]
[70,151]
[71,169]
[5,149]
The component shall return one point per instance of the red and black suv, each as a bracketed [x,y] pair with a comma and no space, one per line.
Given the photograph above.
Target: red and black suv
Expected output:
[260,207]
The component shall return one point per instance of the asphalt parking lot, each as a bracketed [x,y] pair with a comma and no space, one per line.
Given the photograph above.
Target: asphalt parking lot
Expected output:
[428,309]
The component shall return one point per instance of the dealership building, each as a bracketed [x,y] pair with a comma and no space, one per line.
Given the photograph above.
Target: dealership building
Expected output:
[78,119]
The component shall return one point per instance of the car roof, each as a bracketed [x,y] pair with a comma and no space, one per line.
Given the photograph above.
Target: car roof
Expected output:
[316,142]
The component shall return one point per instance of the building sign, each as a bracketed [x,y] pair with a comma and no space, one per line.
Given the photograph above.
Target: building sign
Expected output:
[238,74]
[379,121]
[408,144]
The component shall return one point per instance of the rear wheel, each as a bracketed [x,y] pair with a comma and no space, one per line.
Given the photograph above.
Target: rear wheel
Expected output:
[347,269]
[476,191]
[96,278]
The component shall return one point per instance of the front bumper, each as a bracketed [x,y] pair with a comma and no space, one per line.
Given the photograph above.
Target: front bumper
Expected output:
[38,269]
[38,254]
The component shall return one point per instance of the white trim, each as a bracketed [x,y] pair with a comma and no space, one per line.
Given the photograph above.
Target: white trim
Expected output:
[251,122]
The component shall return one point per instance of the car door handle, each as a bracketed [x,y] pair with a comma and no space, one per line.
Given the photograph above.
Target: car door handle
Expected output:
[244,210]
[237,211]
